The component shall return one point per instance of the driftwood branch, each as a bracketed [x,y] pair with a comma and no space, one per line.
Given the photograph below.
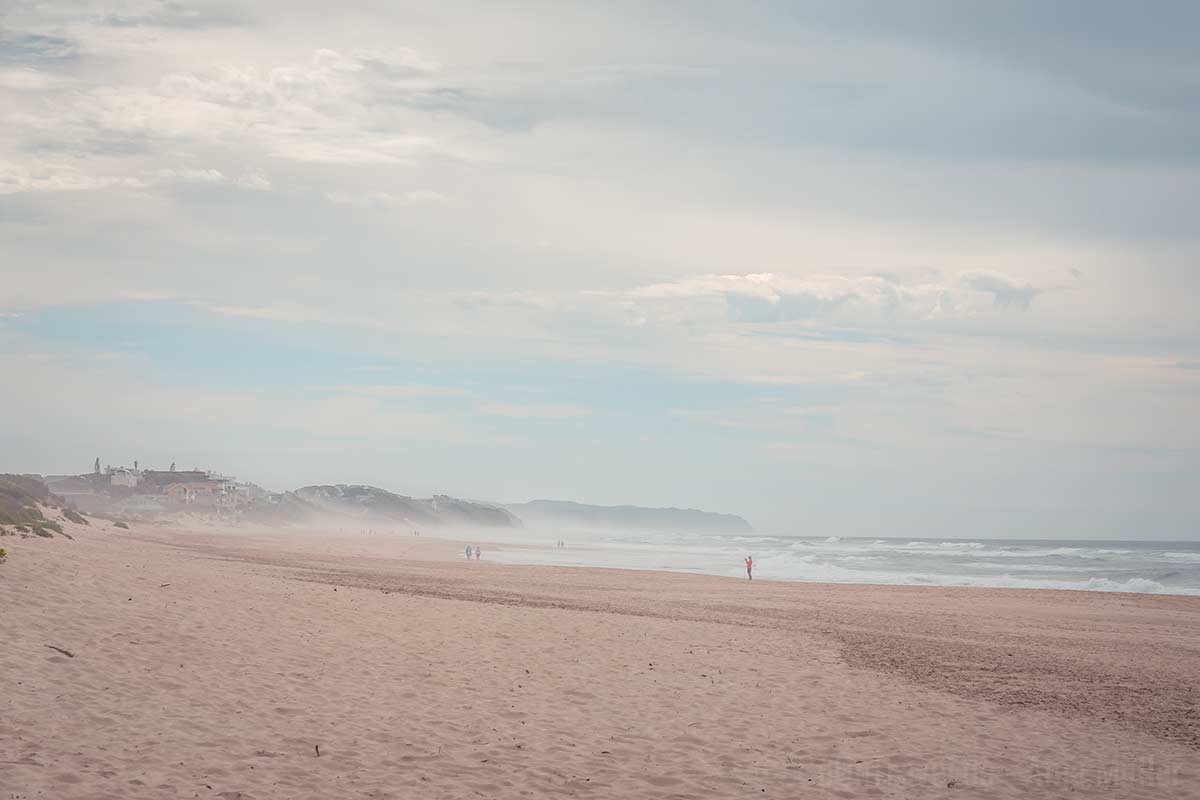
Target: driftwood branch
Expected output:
[66,653]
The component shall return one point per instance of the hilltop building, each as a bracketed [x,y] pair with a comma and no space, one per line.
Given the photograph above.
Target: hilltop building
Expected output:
[121,476]
[149,491]
[159,478]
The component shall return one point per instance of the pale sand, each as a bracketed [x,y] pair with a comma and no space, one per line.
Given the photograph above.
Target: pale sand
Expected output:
[421,675]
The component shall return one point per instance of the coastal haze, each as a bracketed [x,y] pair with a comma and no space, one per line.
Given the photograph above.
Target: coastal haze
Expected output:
[568,533]
[625,400]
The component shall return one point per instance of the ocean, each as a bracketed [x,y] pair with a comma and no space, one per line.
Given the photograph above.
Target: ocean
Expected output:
[1111,566]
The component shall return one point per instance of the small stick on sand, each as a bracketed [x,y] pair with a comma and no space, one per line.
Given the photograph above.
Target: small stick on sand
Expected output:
[66,653]
[317,747]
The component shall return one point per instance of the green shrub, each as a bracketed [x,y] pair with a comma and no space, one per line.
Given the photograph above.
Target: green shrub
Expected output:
[19,500]
[74,516]
[3,555]
[121,525]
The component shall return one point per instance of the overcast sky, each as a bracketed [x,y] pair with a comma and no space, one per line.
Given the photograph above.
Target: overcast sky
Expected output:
[845,268]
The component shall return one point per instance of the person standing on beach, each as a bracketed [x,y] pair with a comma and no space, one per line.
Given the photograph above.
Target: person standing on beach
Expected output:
[476,552]
[468,552]
[749,568]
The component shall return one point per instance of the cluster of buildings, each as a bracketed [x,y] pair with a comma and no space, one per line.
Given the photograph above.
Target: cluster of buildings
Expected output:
[193,487]
[136,489]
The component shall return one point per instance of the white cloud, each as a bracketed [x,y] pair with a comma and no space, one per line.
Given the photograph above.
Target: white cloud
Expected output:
[330,110]
[419,197]
[399,391]
[341,109]
[29,80]
[395,61]
[299,313]
[62,176]
[770,297]
[55,176]
[522,411]
[144,295]
[254,179]
[209,176]
[271,313]
[1006,291]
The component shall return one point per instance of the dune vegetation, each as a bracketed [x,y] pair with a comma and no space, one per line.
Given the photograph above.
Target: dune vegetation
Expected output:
[21,502]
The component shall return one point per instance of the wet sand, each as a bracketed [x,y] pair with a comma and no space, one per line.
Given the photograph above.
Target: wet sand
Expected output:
[263,664]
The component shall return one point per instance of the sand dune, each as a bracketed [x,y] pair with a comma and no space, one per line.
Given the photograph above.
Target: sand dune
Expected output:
[261,665]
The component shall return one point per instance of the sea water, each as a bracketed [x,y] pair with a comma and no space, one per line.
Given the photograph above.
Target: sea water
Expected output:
[1118,566]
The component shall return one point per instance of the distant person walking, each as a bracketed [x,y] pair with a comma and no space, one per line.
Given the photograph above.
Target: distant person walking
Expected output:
[468,552]
[476,552]
[749,568]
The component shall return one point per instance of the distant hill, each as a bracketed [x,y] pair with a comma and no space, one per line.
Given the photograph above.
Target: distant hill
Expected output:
[564,512]
[286,508]
[373,503]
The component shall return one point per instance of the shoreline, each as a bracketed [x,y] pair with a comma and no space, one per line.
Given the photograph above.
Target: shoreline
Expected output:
[703,558]
[453,544]
[292,535]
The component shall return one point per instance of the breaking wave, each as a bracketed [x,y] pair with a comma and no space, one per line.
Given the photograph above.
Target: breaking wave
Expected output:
[1023,564]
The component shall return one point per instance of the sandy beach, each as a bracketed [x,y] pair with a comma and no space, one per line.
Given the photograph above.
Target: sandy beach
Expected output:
[271,664]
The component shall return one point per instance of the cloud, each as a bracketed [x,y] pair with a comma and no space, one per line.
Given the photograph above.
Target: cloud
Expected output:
[54,176]
[61,176]
[1006,292]
[171,15]
[520,411]
[399,391]
[144,296]
[771,297]
[393,62]
[334,109]
[338,108]
[25,79]
[255,180]
[24,47]
[293,313]
[279,313]
[419,197]
[519,299]
[209,176]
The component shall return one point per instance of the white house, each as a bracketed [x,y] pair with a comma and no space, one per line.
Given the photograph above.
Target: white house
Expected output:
[124,477]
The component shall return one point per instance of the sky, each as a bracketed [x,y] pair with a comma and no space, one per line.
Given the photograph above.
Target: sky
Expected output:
[844,268]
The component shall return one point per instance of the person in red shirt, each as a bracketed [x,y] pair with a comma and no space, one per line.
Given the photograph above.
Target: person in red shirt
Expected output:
[749,568]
